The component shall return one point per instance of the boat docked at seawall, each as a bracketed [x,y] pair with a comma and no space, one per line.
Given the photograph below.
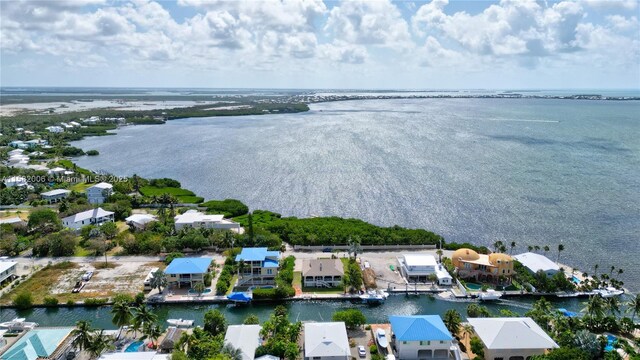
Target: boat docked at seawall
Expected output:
[240,297]
[180,322]
[374,297]
[489,295]
[18,324]
[609,292]
[381,338]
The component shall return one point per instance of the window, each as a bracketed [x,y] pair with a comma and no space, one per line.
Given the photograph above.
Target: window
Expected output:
[404,343]
[269,271]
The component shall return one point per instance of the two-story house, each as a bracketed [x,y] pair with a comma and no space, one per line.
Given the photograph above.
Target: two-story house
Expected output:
[421,337]
[322,272]
[493,267]
[96,216]
[55,195]
[98,193]
[196,219]
[326,341]
[187,271]
[7,271]
[259,266]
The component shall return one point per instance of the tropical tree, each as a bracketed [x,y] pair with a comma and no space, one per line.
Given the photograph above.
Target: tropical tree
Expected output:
[153,332]
[467,330]
[613,305]
[354,246]
[587,342]
[452,320]
[252,319]
[530,248]
[594,309]
[215,322]
[560,249]
[99,344]
[546,249]
[158,280]
[231,352]
[142,319]
[199,287]
[82,335]
[513,246]
[536,248]
[497,245]
[121,315]
[633,306]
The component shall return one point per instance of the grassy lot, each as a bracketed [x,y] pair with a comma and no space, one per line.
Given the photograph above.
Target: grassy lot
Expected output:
[80,187]
[234,279]
[80,251]
[322,290]
[183,195]
[297,279]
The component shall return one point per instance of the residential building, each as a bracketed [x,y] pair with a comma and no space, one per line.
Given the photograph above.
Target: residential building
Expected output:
[35,143]
[322,272]
[326,341]
[536,262]
[422,268]
[260,266]
[18,144]
[170,340]
[135,355]
[511,338]
[98,193]
[41,343]
[187,271]
[96,216]
[245,338]
[496,267]
[13,221]
[421,337]
[196,219]
[7,270]
[55,129]
[55,195]
[140,221]
[16,181]
[15,151]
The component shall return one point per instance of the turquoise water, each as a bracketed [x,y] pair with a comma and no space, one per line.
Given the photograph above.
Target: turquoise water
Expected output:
[133,347]
[473,286]
[610,342]
[192,291]
[575,279]
[534,171]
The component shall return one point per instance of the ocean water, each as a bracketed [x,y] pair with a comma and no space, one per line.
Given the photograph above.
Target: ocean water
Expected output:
[534,171]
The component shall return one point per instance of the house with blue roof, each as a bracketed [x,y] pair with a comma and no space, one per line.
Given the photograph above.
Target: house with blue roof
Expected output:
[45,343]
[422,337]
[260,266]
[187,271]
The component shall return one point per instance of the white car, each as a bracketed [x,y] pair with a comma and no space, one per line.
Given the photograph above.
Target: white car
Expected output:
[87,276]
[361,351]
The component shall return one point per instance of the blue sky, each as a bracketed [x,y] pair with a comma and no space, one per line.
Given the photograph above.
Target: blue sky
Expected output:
[321,44]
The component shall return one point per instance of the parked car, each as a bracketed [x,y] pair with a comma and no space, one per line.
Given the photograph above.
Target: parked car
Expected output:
[361,351]
[87,276]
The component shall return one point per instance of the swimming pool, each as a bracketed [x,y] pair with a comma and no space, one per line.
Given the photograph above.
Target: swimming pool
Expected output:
[575,279]
[610,342]
[261,287]
[472,286]
[192,291]
[134,346]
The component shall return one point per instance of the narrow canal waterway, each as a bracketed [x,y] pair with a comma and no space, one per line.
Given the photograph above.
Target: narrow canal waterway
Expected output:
[299,310]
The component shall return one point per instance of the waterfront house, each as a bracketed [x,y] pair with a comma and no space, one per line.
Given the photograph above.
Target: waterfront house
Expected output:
[421,337]
[7,271]
[55,195]
[171,337]
[322,272]
[41,343]
[496,267]
[31,144]
[55,129]
[422,268]
[134,355]
[511,338]
[326,341]
[196,219]
[16,181]
[96,216]
[98,193]
[18,144]
[13,221]
[536,262]
[15,151]
[245,338]
[187,271]
[260,266]
[140,221]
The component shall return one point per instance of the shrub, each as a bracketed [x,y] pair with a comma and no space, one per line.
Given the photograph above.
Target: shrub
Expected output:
[50,301]
[123,298]
[373,349]
[367,327]
[353,318]
[93,152]
[95,302]
[174,255]
[24,300]
[70,302]
[227,207]
[207,279]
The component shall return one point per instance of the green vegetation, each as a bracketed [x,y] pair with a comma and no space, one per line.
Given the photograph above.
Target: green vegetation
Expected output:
[23,300]
[226,275]
[352,279]
[215,323]
[182,195]
[50,301]
[228,207]
[62,243]
[453,321]
[93,152]
[353,318]
[284,279]
[281,336]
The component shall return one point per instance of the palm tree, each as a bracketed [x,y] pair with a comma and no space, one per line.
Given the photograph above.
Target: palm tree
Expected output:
[536,248]
[613,305]
[496,245]
[82,334]
[620,272]
[231,352]
[452,321]
[153,332]
[121,315]
[158,280]
[595,308]
[354,247]
[633,306]
[560,249]
[187,340]
[530,248]
[513,245]
[595,268]
[143,318]
[199,287]
[467,330]
[439,253]
[99,344]
[546,249]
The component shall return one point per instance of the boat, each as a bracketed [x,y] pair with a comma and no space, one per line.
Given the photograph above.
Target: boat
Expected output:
[489,295]
[79,285]
[567,313]
[240,297]
[374,297]
[381,338]
[18,324]
[180,322]
[609,292]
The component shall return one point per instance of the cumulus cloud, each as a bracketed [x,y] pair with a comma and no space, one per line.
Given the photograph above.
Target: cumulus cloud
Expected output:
[343,52]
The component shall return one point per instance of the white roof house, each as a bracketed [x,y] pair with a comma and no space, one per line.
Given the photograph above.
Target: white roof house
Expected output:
[16,152]
[55,195]
[98,193]
[536,262]
[54,129]
[245,338]
[418,267]
[506,337]
[140,220]
[327,340]
[16,181]
[90,217]
[7,269]
[196,219]
[15,221]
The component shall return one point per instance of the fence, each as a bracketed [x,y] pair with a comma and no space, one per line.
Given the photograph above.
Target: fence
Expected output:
[331,248]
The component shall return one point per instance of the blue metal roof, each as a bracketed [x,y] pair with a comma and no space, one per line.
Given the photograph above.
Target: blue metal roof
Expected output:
[240,297]
[188,266]
[37,343]
[256,254]
[268,263]
[419,328]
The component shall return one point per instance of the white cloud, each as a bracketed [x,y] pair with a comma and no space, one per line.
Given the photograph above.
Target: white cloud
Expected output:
[343,52]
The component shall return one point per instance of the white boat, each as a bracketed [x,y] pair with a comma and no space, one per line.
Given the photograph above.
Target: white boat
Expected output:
[381,338]
[18,324]
[489,295]
[373,297]
[609,292]
[180,322]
